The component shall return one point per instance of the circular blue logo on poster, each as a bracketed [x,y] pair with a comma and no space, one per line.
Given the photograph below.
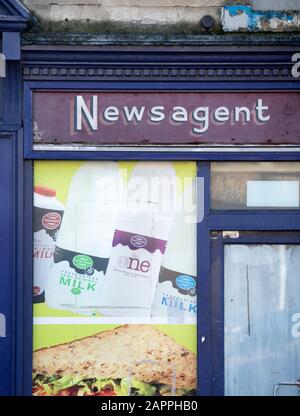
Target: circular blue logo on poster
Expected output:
[185,282]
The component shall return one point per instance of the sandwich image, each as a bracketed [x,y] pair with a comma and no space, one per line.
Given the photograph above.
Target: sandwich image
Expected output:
[130,360]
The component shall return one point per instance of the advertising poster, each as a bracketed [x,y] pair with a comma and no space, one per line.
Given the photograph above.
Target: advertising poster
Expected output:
[114,278]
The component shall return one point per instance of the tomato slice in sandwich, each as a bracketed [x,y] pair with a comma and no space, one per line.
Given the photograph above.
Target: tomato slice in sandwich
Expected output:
[106,392]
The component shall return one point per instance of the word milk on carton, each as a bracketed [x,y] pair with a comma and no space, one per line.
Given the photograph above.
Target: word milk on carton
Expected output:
[47,217]
[83,247]
[175,295]
[140,240]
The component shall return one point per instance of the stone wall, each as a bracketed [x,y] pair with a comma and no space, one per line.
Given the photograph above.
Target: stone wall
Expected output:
[230,15]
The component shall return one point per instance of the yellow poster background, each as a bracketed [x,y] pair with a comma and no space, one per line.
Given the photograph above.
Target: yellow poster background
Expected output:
[58,175]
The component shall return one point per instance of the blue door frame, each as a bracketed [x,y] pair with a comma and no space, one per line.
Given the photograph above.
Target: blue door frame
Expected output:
[7,244]
[210,379]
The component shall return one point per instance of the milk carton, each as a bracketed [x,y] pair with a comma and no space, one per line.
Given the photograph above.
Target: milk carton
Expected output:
[47,217]
[175,295]
[85,240]
[140,239]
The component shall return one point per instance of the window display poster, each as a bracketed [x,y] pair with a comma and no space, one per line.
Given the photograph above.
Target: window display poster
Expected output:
[115,283]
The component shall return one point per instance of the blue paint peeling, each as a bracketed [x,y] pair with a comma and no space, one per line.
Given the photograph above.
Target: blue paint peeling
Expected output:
[236,10]
[255,19]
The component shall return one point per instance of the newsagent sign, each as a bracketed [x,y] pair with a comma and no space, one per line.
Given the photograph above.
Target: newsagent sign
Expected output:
[108,118]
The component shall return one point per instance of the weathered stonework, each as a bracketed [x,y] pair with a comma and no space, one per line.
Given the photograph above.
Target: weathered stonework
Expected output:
[244,18]
[139,12]
[165,16]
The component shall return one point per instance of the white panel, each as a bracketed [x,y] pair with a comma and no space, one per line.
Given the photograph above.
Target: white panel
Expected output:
[275,194]
[262,320]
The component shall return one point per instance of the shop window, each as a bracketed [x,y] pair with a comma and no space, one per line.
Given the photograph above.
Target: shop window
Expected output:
[114,278]
[255,185]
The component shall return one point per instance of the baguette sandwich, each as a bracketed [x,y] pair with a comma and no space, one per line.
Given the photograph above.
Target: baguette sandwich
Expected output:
[130,360]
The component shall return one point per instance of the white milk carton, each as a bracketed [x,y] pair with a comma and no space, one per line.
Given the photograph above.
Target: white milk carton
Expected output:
[140,239]
[47,217]
[83,247]
[175,295]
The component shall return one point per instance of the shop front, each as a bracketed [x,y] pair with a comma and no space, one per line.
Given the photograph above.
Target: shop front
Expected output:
[153,219]
[219,219]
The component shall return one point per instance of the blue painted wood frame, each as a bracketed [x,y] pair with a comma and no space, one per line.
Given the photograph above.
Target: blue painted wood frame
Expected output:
[217,295]
[203,290]
[25,335]
[24,283]
[7,240]
[10,102]
[210,292]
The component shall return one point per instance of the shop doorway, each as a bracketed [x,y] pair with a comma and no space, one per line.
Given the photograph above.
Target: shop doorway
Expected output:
[256,324]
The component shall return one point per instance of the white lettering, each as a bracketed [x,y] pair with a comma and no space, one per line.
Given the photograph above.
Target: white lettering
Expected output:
[157,114]
[89,115]
[259,111]
[221,114]
[111,114]
[134,113]
[179,114]
[202,118]
[243,110]
[296,326]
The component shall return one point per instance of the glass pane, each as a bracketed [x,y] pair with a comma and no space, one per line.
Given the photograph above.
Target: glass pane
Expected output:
[255,185]
[262,319]
[114,278]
